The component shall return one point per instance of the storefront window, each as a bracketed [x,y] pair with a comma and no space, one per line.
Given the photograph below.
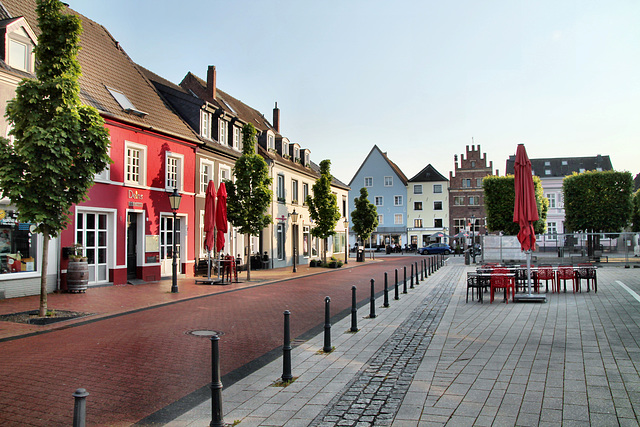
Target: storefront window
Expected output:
[17,244]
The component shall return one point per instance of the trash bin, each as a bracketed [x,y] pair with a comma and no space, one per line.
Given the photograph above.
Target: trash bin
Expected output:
[560,252]
[387,249]
[360,254]
[467,257]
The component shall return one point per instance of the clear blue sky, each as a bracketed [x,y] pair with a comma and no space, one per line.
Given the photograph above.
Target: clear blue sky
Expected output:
[418,78]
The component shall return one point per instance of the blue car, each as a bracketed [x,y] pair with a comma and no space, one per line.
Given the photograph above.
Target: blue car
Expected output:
[435,248]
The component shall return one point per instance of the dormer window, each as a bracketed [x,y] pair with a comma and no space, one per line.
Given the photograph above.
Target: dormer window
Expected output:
[296,154]
[285,148]
[306,158]
[19,42]
[124,102]
[271,142]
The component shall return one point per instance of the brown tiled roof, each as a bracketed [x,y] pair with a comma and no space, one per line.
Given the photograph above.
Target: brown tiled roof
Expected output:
[105,64]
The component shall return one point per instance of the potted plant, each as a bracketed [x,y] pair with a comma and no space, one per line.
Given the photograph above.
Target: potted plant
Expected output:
[77,270]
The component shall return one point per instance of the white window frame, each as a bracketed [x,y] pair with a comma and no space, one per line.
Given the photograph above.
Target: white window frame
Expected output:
[280,190]
[474,200]
[280,242]
[294,191]
[380,219]
[305,192]
[271,142]
[552,230]
[417,206]
[458,201]
[417,223]
[100,176]
[237,138]
[142,164]
[437,188]
[388,181]
[285,148]
[417,188]
[224,173]
[22,38]
[368,181]
[441,223]
[380,199]
[398,219]
[435,208]
[205,176]
[205,124]
[223,132]
[170,158]
[552,200]
[397,201]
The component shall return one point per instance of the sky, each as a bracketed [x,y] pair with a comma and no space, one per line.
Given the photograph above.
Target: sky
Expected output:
[420,79]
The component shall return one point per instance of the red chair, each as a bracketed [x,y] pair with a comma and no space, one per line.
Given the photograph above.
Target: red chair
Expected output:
[546,273]
[587,271]
[501,280]
[566,272]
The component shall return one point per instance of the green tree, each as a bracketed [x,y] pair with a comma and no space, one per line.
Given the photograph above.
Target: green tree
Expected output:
[250,196]
[364,218]
[323,206]
[499,200]
[597,201]
[635,216]
[59,144]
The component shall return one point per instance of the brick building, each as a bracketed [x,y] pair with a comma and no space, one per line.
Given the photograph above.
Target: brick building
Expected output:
[466,196]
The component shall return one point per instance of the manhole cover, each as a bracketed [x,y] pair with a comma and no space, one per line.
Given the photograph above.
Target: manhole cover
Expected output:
[205,333]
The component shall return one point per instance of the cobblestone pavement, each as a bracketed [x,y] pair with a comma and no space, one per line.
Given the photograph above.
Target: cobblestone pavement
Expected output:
[374,396]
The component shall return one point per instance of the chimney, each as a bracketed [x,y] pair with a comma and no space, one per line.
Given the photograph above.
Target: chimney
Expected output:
[211,81]
[276,118]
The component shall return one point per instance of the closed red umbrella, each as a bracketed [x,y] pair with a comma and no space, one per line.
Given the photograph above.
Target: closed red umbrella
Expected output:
[221,216]
[525,211]
[209,215]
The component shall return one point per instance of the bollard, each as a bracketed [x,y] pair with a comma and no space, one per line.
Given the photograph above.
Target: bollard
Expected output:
[417,275]
[396,296]
[286,350]
[354,311]
[422,269]
[386,291]
[405,276]
[216,385]
[404,285]
[372,301]
[327,325]
[412,275]
[430,266]
[80,408]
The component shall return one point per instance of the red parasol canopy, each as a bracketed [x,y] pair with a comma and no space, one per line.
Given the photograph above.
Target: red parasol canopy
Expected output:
[525,210]
[221,216]
[209,215]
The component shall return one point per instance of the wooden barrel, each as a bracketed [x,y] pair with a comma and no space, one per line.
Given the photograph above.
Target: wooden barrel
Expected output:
[77,276]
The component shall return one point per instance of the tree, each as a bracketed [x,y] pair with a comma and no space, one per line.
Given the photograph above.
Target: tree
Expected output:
[250,196]
[364,218]
[59,144]
[635,216]
[597,201]
[323,206]
[499,200]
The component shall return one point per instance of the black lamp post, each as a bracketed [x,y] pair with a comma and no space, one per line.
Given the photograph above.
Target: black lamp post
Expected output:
[473,237]
[346,240]
[294,220]
[174,202]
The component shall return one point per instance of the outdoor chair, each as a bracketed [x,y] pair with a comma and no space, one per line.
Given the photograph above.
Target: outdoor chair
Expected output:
[587,271]
[565,272]
[473,282]
[501,280]
[546,273]
[521,279]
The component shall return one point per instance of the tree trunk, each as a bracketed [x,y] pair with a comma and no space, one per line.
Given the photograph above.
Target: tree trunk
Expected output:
[247,250]
[324,251]
[43,274]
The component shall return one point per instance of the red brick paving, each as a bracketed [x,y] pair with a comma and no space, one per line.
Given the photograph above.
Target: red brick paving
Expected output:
[138,363]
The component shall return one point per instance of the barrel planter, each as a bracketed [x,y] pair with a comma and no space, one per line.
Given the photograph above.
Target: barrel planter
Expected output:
[77,275]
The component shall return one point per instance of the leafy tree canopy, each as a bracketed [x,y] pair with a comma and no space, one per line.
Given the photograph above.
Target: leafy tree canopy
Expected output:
[323,205]
[364,218]
[500,198]
[250,196]
[597,201]
[635,216]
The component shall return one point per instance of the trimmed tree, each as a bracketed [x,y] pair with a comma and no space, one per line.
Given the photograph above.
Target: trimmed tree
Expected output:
[59,144]
[323,206]
[499,199]
[364,218]
[250,196]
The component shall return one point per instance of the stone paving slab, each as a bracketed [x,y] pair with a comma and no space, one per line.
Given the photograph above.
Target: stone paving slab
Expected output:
[572,361]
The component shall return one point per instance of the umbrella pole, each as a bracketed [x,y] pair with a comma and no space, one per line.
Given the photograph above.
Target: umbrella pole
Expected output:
[208,264]
[529,261]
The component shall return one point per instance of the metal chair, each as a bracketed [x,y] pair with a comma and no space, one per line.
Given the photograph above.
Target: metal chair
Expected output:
[473,282]
[587,271]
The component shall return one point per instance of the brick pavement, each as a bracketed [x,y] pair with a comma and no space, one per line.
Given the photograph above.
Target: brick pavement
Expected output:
[135,356]
[571,361]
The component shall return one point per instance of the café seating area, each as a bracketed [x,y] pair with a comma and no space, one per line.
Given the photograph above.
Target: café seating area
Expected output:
[492,277]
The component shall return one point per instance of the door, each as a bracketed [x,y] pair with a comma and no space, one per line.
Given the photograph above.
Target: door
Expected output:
[166,244]
[92,228]
[132,246]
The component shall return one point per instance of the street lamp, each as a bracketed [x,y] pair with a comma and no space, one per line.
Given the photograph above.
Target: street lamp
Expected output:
[294,220]
[346,241]
[473,237]
[174,202]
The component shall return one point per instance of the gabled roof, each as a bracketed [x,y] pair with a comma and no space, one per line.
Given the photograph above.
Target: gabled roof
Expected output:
[393,166]
[429,173]
[563,166]
[105,65]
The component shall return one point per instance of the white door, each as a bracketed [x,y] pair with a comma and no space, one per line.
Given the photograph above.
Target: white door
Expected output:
[91,233]
[166,244]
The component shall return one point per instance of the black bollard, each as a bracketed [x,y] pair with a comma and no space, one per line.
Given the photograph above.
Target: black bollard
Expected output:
[417,275]
[412,275]
[386,291]
[404,285]
[286,350]
[421,270]
[80,408]
[405,276]
[354,311]
[216,385]
[372,301]
[327,325]
[396,296]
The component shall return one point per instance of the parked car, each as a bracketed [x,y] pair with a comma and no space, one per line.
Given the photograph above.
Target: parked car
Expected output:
[435,248]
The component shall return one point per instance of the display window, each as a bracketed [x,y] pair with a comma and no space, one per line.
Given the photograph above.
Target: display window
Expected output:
[18,243]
